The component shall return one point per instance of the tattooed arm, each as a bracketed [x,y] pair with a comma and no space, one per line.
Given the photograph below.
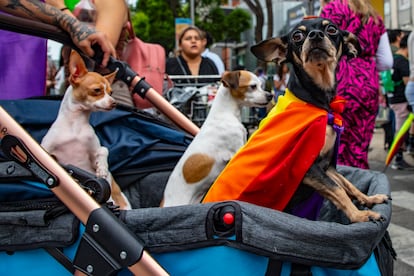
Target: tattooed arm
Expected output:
[83,36]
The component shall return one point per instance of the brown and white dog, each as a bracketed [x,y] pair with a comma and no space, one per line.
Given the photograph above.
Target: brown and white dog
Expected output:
[220,136]
[71,139]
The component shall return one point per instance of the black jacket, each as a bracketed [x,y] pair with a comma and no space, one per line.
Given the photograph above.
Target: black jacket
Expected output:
[207,67]
[401,68]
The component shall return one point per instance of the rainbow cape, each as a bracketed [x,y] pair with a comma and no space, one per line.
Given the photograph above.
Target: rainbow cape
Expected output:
[268,169]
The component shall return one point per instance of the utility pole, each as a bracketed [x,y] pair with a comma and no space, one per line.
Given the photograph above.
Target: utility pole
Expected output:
[192,12]
[310,7]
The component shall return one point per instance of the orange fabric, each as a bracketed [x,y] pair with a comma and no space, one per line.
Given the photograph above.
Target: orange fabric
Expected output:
[269,168]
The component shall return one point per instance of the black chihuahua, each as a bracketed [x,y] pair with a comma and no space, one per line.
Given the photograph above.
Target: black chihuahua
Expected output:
[314,48]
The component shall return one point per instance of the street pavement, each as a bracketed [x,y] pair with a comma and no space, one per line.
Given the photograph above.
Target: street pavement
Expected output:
[402,192]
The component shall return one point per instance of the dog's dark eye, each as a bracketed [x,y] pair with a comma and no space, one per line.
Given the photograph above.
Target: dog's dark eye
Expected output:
[297,36]
[97,91]
[253,86]
[331,30]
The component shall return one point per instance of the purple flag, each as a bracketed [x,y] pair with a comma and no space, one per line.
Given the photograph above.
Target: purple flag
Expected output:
[23,61]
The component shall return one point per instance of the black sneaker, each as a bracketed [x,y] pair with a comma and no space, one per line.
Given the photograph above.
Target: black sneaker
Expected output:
[401,165]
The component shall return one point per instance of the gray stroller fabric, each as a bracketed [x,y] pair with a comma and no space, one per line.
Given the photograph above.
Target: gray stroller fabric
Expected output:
[30,230]
[330,242]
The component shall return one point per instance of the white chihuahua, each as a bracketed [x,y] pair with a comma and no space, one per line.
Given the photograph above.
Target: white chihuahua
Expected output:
[71,139]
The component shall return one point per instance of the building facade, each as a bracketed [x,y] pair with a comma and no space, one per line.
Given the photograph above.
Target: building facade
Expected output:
[396,14]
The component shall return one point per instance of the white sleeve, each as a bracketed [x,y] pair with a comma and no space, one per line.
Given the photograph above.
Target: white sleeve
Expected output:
[60,78]
[384,56]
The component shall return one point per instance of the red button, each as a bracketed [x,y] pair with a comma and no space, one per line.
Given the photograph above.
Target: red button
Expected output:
[228,218]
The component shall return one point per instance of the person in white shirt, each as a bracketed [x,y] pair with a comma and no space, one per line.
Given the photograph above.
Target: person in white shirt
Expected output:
[280,80]
[60,78]
[260,73]
[208,41]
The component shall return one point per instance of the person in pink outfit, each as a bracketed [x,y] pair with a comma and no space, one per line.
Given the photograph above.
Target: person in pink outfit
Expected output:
[358,78]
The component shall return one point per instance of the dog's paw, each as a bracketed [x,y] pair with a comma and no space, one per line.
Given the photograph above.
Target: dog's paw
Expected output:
[102,173]
[365,216]
[375,199]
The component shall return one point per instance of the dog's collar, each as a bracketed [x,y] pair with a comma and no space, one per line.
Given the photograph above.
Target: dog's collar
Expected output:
[337,106]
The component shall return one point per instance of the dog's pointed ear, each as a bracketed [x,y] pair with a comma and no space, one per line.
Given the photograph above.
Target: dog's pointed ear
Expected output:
[272,49]
[230,79]
[352,47]
[77,67]
[111,77]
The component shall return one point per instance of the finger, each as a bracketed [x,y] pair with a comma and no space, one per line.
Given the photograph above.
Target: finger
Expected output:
[105,59]
[87,50]
[106,48]
[86,47]
[108,51]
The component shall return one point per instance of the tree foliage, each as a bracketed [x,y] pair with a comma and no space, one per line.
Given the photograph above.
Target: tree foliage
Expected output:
[154,20]
[237,22]
[213,23]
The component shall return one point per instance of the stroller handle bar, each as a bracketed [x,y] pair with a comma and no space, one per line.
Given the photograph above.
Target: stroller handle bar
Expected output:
[27,151]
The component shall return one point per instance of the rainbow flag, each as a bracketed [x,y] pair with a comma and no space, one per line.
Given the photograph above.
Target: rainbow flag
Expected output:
[267,170]
[398,139]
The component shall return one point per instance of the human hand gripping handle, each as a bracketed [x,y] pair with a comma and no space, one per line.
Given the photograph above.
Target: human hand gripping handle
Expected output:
[86,38]
[92,35]
[82,35]
[143,89]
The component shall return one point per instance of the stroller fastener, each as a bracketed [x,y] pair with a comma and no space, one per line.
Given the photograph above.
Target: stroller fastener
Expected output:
[16,150]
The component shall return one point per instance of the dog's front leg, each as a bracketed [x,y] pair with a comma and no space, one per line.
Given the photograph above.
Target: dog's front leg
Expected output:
[321,182]
[353,192]
[101,162]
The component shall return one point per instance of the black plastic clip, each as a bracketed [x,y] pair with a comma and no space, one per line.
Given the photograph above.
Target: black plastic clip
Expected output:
[224,220]
[96,187]
[16,150]
[98,254]
[142,87]
[125,73]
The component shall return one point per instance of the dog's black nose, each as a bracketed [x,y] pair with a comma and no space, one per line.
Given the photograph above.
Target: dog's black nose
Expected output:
[316,35]
[269,96]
